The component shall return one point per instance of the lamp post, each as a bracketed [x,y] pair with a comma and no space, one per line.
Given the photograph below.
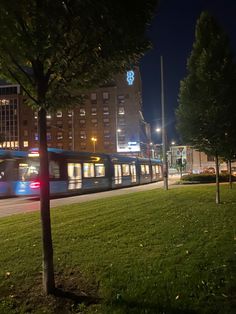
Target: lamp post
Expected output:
[164,137]
[94,140]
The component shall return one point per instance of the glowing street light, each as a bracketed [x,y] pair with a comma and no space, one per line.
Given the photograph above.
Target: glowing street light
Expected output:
[94,140]
[158,130]
[173,143]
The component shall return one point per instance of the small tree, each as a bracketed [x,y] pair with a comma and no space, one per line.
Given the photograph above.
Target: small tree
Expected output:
[52,48]
[206,97]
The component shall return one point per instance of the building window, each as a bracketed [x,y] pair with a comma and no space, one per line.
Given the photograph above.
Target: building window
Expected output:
[36,137]
[93,97]
[49,136]
[59,124]
[105,110]
[59,114]
[59,136]
[121,110]
[48,116]
[83,135]
[93,111]
[94,120]
[60,145]
[210,158]
[70,135]
[25,122]
[25,143]
[70,113]
[105,95]
[82,121]
[36,115]
[25,132]
[82,112]
[106,120]
[121,99]
[106,131]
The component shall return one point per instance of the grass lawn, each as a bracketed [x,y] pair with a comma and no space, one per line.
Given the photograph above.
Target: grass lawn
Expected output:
[149,252]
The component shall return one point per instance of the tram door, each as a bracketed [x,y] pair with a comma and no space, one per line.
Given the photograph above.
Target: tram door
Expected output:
[118,174]
[74,176]
[133,173]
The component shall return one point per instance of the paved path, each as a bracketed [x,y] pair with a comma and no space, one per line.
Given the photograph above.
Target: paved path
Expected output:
[12,206]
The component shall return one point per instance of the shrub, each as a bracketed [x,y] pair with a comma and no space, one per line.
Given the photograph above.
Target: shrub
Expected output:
[206,178]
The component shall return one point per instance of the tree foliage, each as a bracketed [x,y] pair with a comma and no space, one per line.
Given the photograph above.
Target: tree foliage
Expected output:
[56,47]
[207,108]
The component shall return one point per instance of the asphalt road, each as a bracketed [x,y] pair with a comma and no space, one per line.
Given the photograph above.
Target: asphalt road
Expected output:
[13,206]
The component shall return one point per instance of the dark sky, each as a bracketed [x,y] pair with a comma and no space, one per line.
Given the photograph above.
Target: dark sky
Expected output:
[172,35]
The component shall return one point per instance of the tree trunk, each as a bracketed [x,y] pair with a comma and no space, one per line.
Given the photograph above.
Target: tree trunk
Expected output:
[48,269]
[217,180]
[230,173]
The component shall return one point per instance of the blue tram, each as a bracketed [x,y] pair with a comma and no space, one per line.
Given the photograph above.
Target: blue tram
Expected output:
[82,172]
[11,165]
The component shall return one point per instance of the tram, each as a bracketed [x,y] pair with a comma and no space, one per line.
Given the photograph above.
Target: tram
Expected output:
[73,173]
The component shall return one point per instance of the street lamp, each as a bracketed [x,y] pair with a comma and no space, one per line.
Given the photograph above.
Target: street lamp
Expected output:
[158,130]
[173,143]
[94,140]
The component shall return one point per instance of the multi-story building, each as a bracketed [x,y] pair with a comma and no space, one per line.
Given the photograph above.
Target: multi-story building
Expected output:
[108,120]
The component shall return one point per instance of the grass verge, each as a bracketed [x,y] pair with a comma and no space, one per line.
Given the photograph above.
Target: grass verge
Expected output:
[150,252]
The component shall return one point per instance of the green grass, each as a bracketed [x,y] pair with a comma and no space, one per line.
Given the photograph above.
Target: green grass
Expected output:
[151,252]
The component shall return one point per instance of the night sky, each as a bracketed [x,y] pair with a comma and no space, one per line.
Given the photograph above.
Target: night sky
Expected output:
[172,34]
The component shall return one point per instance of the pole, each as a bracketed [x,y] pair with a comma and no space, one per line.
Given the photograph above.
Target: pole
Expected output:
[164,138]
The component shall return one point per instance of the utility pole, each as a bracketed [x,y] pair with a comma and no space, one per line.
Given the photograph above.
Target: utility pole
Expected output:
[164,137]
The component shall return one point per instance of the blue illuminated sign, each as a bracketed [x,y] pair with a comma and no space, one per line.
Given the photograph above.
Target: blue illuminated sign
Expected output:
[130,77]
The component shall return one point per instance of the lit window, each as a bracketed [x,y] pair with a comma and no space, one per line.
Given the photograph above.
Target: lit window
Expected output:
[93,111]
[82,121]
[88,170]
[121,110]
[25,143]
[105,110]
[147,170]
[49,116]
[59,136]
[125,170]
[94,120]
[99,170]
[36,137]
[36,115]
[59,114]
[70,113]
[82,112]
[70,135]
[106,120]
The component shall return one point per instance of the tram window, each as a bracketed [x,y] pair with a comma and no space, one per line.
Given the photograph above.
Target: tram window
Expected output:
[2,170]
[125,170]
[99,170]
[147,170]
[154,169]
[29,171]
[88,170]
[157,169]
[142,169]
[54,170]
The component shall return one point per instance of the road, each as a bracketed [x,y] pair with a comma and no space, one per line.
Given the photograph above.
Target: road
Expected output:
[12,206]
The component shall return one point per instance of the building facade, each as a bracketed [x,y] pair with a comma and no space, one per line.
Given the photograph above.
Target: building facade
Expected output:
[192,160]
[108,120]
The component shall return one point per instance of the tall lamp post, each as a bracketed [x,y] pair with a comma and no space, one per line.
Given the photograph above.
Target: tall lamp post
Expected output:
[164,137]
[94,140]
